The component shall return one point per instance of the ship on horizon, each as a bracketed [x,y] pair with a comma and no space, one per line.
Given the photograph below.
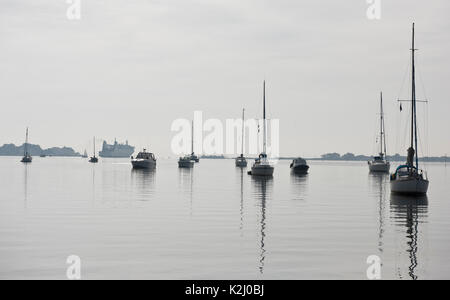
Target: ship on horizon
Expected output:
[116,150]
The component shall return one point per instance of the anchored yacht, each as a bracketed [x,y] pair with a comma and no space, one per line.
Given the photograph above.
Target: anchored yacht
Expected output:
[144,160]
[380,163]
[408,178]
[262,166]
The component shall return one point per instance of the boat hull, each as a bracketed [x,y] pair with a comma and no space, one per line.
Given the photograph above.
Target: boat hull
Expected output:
[143,164]
[303,169]
[379,167]
[262,170]
[242,163]
[410,186]
[27,160]
[186,164]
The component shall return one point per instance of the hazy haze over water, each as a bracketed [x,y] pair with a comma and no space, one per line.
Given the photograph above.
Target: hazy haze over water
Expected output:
[127,69]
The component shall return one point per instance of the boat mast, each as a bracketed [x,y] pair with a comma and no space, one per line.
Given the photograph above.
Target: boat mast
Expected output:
[192,138]
[382,129]
[264,117]
[25,152]
[94,146]
[414,111]
[243,131]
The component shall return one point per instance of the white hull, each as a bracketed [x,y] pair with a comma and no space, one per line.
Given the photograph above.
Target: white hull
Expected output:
[379,167]
[143,164]
[262,170]
[411,186]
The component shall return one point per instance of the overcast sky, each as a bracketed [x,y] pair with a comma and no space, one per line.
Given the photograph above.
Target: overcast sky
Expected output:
[128,68]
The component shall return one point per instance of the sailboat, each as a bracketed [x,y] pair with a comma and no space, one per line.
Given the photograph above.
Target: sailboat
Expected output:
[193,156]
[408,178]
[262,166]
[94,159]
[26,156]
[188,161]
[380,163]
[85,155]
[241,161]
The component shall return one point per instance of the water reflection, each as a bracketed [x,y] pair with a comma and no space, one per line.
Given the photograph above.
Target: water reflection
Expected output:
[379,183]
[241,173]
[410,212]
[185,184]
[144,182]
[262,188]
[25,182]
[93,184]
[300,185]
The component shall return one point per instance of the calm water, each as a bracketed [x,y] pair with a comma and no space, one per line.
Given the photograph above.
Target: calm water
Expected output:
[216,222]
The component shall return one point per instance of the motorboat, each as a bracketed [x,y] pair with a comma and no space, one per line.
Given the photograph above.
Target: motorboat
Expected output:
[144,160]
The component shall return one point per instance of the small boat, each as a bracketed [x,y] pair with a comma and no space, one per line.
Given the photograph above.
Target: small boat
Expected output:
[43,156]
[409,179]
[85,155]
[26,156]
[186,162]
[94,159]
[262,166]
[240,161]
[299,166]
[380,163]
[193,157]
[144,160]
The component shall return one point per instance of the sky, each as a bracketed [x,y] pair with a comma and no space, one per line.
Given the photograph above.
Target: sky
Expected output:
[128,68]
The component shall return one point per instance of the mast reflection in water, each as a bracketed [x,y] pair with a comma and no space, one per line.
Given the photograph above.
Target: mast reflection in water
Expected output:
[410,213]
[262,187]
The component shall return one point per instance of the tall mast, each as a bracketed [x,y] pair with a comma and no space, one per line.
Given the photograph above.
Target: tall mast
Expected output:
[381,124]
[192,138]
[413,102]
[25,152]
[382,128]
[264,117]
[243,131]
[94,146]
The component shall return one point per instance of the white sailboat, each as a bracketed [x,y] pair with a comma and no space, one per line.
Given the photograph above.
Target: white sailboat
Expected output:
[409,179]
[262,166]
[240,160]
[26,156]
[380,163]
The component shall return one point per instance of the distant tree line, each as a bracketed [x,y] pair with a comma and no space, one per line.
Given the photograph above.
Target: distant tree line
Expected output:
[36,150]
[396,157]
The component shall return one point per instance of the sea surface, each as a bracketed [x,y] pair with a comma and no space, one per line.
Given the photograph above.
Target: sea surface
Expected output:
[217,222]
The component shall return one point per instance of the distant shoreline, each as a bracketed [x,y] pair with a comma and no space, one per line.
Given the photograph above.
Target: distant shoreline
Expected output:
[360,158]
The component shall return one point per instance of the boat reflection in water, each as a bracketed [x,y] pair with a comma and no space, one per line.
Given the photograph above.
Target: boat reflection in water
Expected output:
[262,190]
[25,186]
[299,183]
[410,213]
[143,181]
[240,173]
[379,183]
[186,184]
